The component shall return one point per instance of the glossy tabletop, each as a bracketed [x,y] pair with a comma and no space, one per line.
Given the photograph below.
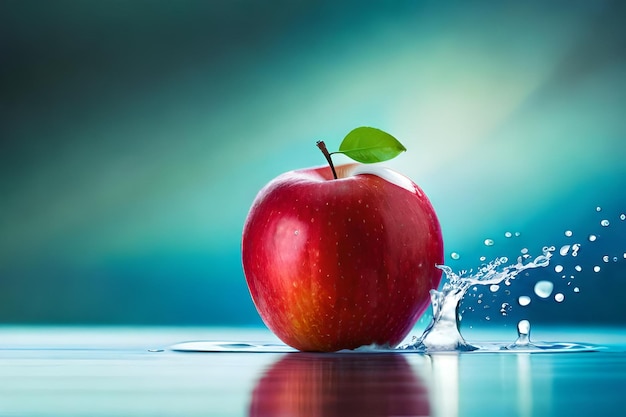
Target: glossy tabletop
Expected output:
[132,372]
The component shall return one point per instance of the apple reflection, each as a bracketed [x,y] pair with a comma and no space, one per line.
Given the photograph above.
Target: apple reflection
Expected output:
[345,384]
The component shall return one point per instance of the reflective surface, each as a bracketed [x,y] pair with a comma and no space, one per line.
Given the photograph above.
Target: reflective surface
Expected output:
[339,385]
[131,372]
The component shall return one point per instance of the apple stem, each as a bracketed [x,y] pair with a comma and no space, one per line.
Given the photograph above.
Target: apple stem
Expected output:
[322,146]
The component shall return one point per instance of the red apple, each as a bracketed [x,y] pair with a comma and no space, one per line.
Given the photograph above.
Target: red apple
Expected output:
[341,263]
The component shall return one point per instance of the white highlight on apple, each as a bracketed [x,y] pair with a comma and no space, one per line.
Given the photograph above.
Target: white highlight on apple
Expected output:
[386,174]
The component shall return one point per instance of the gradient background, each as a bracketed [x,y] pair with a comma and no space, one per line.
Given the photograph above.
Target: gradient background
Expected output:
[135,135]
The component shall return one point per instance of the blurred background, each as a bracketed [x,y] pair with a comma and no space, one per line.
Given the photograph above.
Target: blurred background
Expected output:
[134,136]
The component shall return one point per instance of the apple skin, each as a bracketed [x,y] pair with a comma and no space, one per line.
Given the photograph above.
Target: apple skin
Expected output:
[336,264]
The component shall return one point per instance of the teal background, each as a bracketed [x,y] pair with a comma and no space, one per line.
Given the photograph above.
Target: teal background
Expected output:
[135,135]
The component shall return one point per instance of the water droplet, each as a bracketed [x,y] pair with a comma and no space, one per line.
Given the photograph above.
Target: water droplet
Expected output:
[505,308]
[592,238]
[524,250]
[568,233]
[508,234]
[604,223]
[482,258]
[575,248]
[156,350]
[596,268]
[615,259]
[559,297]
[523,327]
[558,268]
[543,289]
[578,268]
[489,242]
[494,288]
[624,255]
[296,232]
[576,289]
[487,318]
[622,216]
[455,255]
[598,208]
[564,249]
[605,258]
[523,300]
[517,234]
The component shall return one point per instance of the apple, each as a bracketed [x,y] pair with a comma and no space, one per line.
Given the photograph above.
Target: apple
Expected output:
[341,258]
[340,385]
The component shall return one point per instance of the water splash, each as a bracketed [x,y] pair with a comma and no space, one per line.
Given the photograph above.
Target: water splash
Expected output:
[524,344]
[523,333]
[443,333]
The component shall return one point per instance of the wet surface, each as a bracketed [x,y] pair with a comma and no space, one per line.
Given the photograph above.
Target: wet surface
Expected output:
[132,372]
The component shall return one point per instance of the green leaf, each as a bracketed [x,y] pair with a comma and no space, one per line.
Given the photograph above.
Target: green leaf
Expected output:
[368,145]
